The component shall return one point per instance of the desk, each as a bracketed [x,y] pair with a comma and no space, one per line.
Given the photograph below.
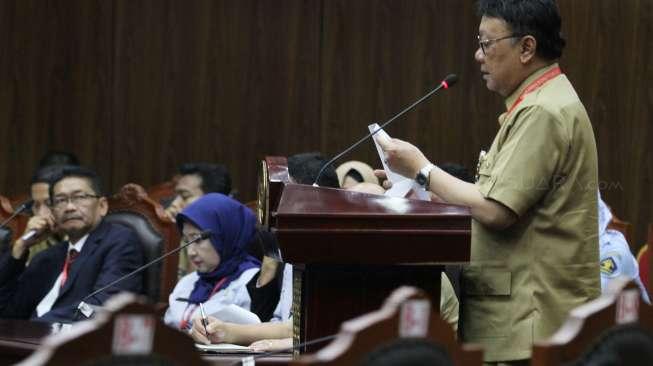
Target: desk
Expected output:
[224,360]
[19,338]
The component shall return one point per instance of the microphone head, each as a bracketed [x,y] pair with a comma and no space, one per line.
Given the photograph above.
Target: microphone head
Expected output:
[26,206]
[450,80]
[205,234]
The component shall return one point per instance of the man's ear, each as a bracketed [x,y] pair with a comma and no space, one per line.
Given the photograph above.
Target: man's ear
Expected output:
[104,206]
[528,49]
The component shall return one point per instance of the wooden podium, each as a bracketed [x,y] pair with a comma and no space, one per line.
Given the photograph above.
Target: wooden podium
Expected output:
[349,250]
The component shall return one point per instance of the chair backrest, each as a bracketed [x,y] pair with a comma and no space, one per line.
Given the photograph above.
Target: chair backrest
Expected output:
[644,265]
[406,320]
[617,317]
[646,261]
[17,200]
[624,227]
[164,191]
[157,233]
[129,333]
[252,205]
[18,223]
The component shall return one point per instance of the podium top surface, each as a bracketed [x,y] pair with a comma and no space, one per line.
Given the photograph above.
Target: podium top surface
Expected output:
[326,225]
[307,202]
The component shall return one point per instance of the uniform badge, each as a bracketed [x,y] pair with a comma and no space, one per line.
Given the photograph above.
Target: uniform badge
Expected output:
[481,160]
[608,266]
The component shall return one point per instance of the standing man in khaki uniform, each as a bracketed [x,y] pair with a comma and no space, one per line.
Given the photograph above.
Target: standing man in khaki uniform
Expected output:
[534,207]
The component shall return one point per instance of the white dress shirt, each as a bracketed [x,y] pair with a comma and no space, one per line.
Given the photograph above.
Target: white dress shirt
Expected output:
[46,304]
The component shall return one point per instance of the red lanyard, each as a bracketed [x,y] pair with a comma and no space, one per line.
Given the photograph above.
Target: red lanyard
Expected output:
[70,258]
[534,86]
[185,319]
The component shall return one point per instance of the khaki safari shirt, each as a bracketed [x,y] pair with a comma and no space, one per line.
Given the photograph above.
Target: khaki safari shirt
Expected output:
[523,281]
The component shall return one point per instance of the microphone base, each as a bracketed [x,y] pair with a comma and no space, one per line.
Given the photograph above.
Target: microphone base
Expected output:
[85,309]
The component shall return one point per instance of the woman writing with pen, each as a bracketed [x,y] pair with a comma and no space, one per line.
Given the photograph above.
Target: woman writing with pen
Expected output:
[223,265]
[271,294]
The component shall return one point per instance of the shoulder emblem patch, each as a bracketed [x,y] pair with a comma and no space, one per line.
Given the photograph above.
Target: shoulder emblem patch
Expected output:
[608,266]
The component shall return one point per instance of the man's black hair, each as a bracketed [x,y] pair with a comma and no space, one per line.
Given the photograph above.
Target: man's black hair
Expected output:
[46,173]
[408,352]
[304,167]
[58,158]
[538,18]
[77,172]
[626,344]
[215,177]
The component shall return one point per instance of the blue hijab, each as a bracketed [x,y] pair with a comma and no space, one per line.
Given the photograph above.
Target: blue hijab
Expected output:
[233,227]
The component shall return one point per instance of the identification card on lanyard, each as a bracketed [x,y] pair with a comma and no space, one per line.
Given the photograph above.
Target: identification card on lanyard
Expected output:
[190,308]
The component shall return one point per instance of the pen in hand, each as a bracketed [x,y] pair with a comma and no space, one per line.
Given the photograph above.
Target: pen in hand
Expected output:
[205,320]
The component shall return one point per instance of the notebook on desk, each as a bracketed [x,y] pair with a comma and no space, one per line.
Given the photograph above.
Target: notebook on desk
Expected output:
[226,348]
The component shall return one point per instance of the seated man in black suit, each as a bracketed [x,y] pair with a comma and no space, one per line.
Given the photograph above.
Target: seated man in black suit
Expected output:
[58,278]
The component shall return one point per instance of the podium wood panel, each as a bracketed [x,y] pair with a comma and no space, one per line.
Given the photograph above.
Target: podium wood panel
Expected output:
[350,250]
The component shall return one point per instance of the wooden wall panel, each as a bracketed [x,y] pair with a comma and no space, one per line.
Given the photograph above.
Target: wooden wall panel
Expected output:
[55,80]
[609,59]
[136,87]
[220,81]
[381,56]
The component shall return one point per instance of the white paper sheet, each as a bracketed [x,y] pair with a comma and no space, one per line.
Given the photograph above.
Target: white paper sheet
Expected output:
[235,314]
[401,185]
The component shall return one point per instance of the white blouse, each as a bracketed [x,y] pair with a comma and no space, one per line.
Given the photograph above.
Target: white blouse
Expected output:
[284,308]
[235,293]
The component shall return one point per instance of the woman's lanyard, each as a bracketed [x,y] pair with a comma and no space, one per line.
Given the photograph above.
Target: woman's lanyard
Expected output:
[536,84]
[190,308]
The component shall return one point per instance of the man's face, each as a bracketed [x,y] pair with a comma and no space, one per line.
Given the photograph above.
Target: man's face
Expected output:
[40,195]
[500,64]
[188,189]
[76,208]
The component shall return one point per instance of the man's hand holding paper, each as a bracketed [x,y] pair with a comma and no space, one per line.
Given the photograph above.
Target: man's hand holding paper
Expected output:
[403,157]
[401,162]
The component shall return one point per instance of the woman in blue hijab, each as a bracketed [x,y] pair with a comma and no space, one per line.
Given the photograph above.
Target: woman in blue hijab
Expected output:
[223,265]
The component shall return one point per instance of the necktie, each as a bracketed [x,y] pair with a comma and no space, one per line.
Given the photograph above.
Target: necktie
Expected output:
[70,258]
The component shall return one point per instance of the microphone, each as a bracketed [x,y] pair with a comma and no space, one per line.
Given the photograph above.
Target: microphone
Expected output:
[29,235]
[87,310]
[5,233]
[25,206]
[448,82]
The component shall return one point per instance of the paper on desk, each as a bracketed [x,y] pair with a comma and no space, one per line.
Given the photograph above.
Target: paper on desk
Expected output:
[235,314]
[401,185]
[225,348]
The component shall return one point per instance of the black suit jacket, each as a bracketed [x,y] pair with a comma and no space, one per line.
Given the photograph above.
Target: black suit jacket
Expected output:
[110,251]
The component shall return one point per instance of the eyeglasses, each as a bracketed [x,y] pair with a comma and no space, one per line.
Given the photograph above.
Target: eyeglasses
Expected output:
[185,239]
[486,43]
[60,202]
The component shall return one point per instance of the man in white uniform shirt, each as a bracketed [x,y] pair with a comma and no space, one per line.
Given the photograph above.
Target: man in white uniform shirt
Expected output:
[616,257]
